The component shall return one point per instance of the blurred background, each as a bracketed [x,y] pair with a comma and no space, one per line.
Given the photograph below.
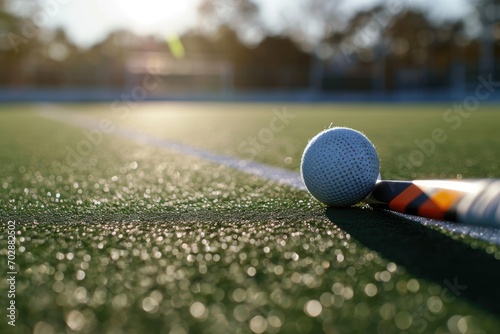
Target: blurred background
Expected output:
[72,50]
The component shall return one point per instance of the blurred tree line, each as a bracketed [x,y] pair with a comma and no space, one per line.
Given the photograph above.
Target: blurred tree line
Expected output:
[380,49]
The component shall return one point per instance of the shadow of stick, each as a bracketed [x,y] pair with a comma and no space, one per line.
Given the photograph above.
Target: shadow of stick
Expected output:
[468,273]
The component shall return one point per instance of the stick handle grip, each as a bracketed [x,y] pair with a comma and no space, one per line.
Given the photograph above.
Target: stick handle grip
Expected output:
[475,202]
[483,207]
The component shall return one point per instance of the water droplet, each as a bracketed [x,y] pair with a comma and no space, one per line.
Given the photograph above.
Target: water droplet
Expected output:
[75,320]
[371,289]
[198,310]
[258,324]
[150,305]
[313,308]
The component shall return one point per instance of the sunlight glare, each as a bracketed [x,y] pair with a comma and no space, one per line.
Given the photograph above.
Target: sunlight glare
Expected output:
[145,15]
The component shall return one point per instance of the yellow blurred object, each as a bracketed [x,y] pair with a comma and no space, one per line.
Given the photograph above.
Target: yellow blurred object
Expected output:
[175,45]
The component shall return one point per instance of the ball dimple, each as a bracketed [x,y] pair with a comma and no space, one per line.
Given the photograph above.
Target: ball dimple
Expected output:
[340,167]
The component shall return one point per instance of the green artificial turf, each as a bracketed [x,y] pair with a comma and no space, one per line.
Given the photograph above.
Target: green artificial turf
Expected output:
[137,239]
[469,147]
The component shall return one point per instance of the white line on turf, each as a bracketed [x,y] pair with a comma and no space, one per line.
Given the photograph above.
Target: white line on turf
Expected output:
[276,174]
[280,175]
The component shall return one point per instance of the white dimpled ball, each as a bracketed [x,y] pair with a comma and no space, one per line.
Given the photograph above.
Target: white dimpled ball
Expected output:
[340,167]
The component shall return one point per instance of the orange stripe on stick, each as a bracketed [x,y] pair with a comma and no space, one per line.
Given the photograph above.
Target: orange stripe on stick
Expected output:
[439,204]
[400,202]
